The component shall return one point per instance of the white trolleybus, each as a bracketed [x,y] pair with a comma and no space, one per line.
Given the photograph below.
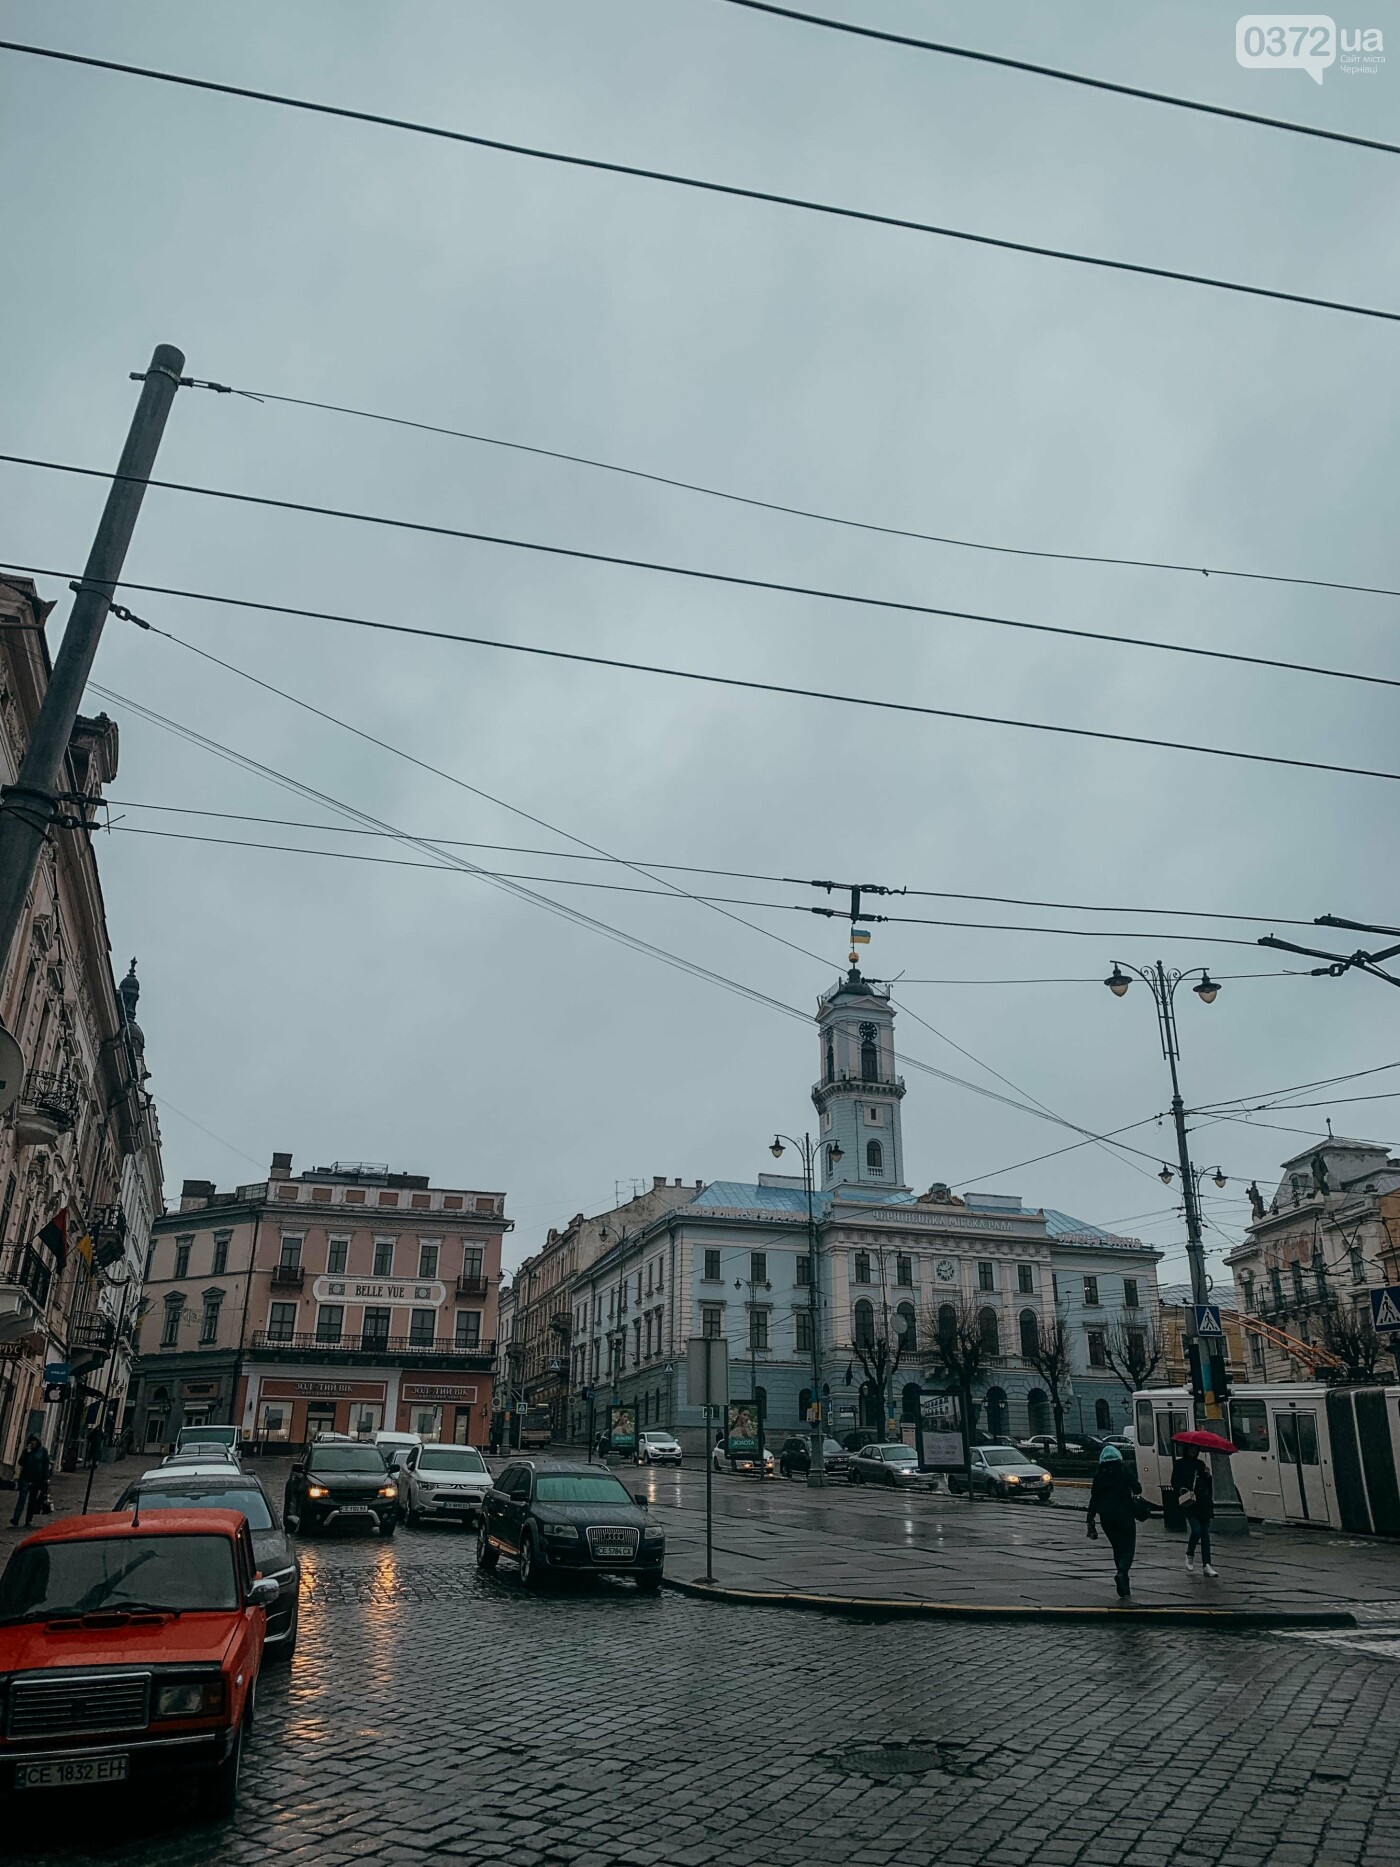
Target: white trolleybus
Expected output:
[1305,1453]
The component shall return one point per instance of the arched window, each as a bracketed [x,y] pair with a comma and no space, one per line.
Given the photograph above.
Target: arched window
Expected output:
[1103,1418]
[830,1061]
[909,1409]
[989,1330]
[874,1157]
[998,1413]
[865,1324]
[1038,1411]
[908,1327]
[1030,1332]
[947,1322]
[869,1055]
[804,1402]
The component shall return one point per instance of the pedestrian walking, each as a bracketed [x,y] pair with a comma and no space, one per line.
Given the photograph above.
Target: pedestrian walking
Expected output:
[1113,1503]
[31,1480]
[1194,1486]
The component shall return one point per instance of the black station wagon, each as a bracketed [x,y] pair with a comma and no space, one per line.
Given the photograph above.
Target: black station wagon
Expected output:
[568,1519]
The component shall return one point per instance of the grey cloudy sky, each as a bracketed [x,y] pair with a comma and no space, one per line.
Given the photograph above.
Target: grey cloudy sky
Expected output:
[349,1011]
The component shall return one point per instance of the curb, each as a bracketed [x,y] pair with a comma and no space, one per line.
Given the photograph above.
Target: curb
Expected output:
[872,1608]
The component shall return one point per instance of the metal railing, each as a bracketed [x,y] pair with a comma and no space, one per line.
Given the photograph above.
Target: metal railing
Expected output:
[51,1095]
[471,1286]
[288,1276]
[304,1341]
[22,1265]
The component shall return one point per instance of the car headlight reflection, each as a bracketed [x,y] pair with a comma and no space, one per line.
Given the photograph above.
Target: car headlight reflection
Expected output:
[565,1532]
[190,1701]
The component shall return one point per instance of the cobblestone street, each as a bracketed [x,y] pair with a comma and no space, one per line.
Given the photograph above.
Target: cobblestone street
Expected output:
[430,1711]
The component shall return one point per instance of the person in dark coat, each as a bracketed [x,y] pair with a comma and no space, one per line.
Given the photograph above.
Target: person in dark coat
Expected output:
[1195,1492]
[31,1480]
[1111,1504]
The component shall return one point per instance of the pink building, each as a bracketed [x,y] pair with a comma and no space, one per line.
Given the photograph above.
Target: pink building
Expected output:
[345,1299]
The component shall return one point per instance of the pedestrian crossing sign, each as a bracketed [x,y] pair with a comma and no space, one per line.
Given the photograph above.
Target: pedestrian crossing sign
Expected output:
[1385,1309]
[1208,1321]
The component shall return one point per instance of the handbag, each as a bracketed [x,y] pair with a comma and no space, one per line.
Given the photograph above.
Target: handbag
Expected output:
[1142,1510]
[1186,1499]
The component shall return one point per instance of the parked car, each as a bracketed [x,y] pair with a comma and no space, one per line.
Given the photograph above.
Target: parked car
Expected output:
[861,1436]
[129,1650]
[277,1560]
[795,1457]
[1046,1443]
[445,1482]
[654,1448]
[394,1448]
[742,1461]
[568,1519]
[211,1452]
[1004,1472]
[230,1436]
[339,1481]
[886,1465]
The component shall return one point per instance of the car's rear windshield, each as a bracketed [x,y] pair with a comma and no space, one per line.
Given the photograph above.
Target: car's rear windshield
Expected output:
[899,1455]
[247,1498]
[208,1435]
[579,1488]
[1004,1455]
[92,1573]
[346,1459]
[450,1459]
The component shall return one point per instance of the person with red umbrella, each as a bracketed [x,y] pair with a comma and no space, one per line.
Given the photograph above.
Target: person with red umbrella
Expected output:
[1195,1492]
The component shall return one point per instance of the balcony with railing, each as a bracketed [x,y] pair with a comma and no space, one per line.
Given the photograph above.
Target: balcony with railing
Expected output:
[25,1283]
[91,1339]
[47,1107]
[361,1347]
[107,1230]
[472,1284]
[288,1276]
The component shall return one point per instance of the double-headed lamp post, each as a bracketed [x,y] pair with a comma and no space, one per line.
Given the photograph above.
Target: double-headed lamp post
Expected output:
[1162,981]
[809,1149]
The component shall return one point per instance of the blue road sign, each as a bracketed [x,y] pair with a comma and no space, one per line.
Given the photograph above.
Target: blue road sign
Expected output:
[1385,1308]
[1208,1322]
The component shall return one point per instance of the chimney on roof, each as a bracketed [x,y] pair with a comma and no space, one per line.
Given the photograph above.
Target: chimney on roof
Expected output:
[195,1193]
[676,1182]
[657,1179]
[281,1168]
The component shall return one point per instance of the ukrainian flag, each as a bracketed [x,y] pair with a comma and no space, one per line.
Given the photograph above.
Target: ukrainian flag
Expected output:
[860,936]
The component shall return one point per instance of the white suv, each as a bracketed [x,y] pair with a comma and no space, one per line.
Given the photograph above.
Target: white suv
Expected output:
[447,1482]
[655,1448]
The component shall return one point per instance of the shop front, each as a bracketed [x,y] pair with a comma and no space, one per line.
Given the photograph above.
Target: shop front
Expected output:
[448,1409]
[291,1410]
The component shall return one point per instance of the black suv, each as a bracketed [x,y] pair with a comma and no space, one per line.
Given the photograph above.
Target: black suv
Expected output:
[795,1458]
[558,1519]
[339,1481]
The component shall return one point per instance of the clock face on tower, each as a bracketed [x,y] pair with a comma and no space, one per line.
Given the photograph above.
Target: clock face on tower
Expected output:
[945,1270]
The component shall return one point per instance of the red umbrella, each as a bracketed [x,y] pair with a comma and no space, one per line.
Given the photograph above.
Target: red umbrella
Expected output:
[1208,1442]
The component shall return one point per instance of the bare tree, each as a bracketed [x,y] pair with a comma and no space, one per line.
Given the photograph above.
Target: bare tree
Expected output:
[960,1346]
[1134,1351]
[1349,1334]
[880,1354]
[1047,1349]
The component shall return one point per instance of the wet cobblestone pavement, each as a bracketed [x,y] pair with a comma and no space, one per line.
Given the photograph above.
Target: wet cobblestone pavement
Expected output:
[433,1712]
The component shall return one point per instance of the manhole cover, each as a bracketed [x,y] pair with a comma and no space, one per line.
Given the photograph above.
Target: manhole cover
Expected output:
[916,1756]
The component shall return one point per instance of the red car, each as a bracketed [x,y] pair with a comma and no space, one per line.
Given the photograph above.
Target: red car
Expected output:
[129,1649]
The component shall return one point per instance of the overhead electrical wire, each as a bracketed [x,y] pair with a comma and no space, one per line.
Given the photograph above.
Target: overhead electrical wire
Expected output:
[451,860]
[807,512]
[687,868]
[700,184]
[726,680]
[1063,77]
[696,574]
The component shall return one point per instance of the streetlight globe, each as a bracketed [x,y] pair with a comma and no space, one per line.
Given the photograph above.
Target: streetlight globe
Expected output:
[1117,981]
[1207,991]
[777,1148]
[1220,1179]
[1165,1176]
[834,1153]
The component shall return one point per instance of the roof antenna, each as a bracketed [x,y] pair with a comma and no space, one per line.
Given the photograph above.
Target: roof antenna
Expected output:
[136,1510]
[1330,1135]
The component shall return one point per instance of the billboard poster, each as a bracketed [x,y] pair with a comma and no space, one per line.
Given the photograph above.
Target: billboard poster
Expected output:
[742,1429]
[622,1429]
[941,1431]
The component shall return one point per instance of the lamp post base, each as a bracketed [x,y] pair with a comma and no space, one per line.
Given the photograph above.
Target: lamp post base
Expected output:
[816,1479]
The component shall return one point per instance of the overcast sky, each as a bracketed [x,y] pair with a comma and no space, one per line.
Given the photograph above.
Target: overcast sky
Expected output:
[347,1011]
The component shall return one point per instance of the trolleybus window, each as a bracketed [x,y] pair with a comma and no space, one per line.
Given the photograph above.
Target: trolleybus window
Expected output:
[1144,1422]
[1297,1437]
[1249,1425]
[1167,1424]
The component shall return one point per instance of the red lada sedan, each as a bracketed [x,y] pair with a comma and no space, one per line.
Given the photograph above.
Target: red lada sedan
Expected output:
[130,1648]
